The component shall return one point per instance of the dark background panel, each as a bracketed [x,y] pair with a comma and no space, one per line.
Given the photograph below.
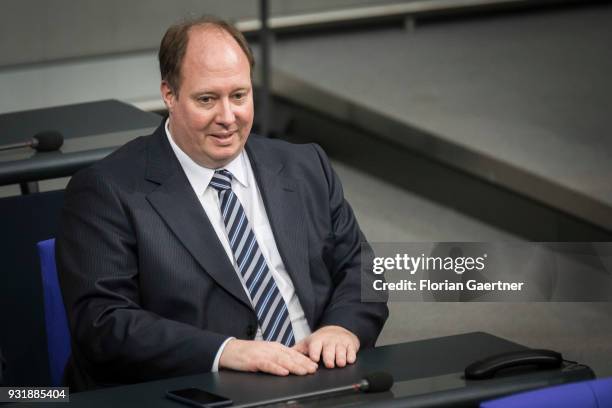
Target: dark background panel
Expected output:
[25,221]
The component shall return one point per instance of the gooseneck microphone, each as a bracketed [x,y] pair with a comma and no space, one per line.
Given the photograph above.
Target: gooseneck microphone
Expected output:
[46,141]
[374,382]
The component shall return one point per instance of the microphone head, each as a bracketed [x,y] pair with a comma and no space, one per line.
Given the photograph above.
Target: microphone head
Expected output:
[379,381]
[48,141]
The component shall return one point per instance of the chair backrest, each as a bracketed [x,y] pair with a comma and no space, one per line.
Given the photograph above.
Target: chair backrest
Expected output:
[584,394]
[58,334]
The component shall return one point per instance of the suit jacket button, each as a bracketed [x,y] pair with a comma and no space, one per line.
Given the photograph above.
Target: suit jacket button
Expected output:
[251,330]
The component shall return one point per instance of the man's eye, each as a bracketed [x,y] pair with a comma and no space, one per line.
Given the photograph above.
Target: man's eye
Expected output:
[239,96]
[205,99]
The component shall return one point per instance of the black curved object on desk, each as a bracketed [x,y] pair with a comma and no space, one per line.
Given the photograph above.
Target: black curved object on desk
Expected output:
[490,366]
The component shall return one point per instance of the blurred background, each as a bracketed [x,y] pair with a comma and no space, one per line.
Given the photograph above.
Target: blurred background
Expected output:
[446,120]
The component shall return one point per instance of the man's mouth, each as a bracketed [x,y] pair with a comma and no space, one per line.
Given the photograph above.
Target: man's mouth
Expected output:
[223,135]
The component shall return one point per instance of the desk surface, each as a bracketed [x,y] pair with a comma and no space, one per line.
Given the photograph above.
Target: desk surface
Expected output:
[77,120]
[417,367]
[91,131]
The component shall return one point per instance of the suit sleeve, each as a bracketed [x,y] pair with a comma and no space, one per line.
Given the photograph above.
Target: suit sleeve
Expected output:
[98,269]
[351,252]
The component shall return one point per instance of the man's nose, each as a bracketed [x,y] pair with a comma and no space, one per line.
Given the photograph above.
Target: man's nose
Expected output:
[225,115]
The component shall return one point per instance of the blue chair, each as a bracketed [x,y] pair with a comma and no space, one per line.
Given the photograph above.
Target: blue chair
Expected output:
[58,334]
[584,394]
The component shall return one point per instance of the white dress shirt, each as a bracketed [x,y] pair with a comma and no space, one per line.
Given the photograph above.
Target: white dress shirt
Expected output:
[247,191]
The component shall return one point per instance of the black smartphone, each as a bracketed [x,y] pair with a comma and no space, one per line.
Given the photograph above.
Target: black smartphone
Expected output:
[198,398]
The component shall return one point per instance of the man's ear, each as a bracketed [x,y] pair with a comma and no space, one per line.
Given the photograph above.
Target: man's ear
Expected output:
[168,95]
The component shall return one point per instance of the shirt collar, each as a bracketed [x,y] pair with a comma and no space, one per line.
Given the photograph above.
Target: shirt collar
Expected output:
[200,176]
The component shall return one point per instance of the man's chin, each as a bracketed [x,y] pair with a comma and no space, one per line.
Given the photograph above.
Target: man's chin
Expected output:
[222,158]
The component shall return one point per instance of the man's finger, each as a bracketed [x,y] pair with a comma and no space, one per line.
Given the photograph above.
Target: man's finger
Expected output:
[329,354]
[271,367]
[314,350]
[351,354]
[340,355]
[303,361]
[293,366]
[301,347]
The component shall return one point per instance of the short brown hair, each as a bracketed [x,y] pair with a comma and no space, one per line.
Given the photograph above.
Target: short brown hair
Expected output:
[174,44]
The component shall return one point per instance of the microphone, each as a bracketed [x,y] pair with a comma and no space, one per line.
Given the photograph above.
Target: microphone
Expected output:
[373,382]
[46,141]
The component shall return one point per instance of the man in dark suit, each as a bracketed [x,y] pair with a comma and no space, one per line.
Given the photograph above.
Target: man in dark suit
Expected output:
[199,247]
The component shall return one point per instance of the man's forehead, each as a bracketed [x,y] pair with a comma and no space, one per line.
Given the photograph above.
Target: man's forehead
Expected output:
[212,41]
[214,62]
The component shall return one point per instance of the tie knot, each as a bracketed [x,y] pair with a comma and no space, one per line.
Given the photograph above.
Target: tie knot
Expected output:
[222,180]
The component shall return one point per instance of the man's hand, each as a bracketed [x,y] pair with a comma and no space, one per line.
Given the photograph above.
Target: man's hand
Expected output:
[337,345]
[265,356]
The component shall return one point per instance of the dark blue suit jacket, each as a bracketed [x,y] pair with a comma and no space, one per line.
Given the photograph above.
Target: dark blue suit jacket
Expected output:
[148,288]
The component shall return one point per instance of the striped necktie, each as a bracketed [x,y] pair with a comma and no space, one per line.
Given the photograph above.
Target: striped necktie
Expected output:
[266,299]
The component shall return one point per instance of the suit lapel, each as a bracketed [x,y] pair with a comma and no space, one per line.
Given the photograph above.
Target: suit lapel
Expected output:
[176,203]
[283,204]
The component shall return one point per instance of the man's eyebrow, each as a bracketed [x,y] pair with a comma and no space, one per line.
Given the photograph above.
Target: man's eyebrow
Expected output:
[197,94]
[211,92]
